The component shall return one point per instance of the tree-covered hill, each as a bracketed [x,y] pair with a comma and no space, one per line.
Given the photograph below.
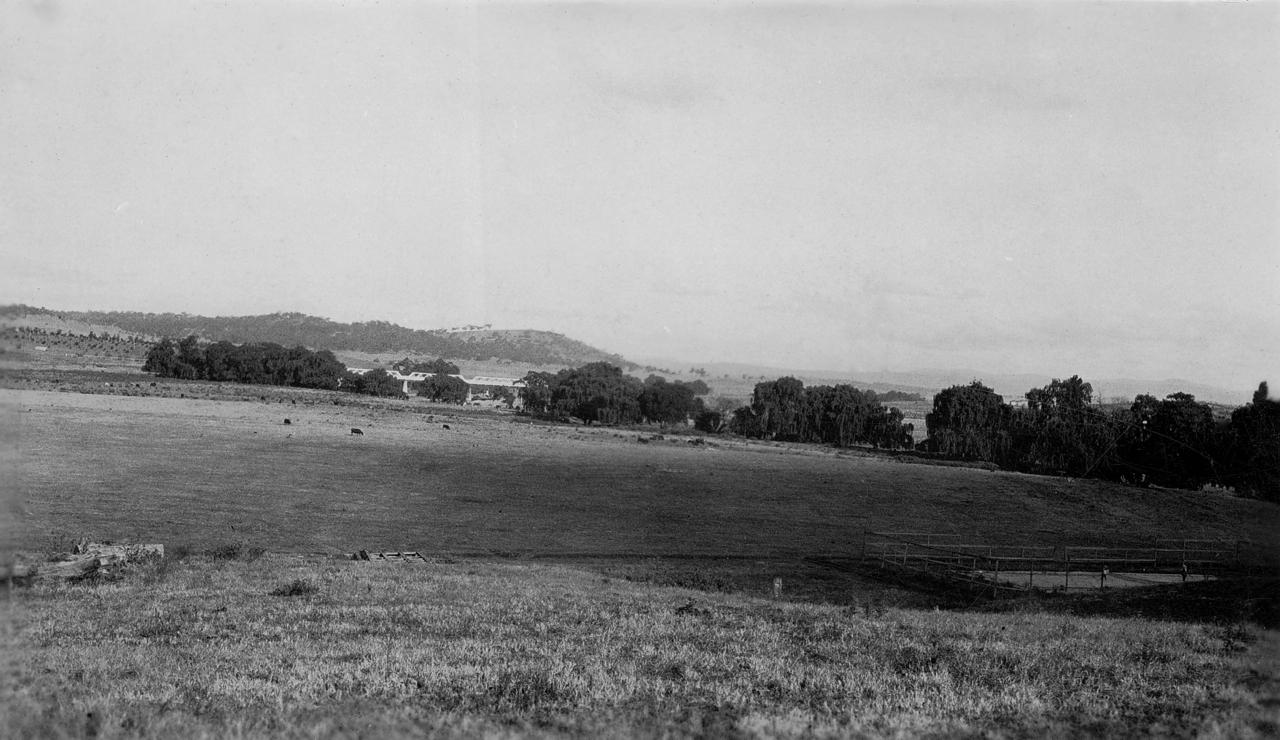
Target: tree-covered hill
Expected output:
[293,329]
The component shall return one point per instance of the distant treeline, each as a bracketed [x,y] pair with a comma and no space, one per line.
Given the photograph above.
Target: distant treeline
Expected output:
[600,392]
[297,329]
[1175,441]
[262,364]
[1170,442]
[782,409]
[840,415]
[34,333]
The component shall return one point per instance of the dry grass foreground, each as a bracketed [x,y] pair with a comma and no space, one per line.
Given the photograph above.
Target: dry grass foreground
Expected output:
[295,646]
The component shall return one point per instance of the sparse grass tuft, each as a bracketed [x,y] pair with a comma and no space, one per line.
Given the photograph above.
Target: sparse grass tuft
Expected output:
[235,551]
[297,587]
[229,551]
[521,691]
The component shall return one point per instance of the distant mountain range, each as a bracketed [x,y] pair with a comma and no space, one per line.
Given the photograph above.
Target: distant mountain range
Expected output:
[545,348]
[1016,385]
[1009,385]
[527,346]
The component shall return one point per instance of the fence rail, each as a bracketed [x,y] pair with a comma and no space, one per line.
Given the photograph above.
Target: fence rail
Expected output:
[1031,567]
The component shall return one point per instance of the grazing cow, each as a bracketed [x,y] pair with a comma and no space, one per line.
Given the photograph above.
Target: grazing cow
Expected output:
[287,422]
[357,432]
[446,426]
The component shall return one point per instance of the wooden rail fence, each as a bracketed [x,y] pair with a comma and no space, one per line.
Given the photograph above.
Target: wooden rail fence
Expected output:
[1048,567]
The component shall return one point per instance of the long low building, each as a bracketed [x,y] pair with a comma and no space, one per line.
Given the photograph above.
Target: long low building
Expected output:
[477,381]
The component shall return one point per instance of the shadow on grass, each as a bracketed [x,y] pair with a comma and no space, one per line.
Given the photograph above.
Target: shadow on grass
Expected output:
[1227,600]
[298,587]
[1230,600]
[235,551]
[1246,599]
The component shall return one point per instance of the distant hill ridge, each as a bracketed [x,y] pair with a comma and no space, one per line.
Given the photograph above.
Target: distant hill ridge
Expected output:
[529,346]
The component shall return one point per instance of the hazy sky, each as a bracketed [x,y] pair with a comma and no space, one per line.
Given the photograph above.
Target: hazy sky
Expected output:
[1058,188]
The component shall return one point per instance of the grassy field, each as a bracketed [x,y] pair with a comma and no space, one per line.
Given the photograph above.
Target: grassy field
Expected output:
[300,646]
[582,582]
[207,472]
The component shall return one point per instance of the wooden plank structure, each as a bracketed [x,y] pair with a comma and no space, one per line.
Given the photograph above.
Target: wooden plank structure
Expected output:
[389,557]
[86,560]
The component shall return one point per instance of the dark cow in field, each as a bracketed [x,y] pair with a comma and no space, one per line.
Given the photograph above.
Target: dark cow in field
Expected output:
[357,432]
[287,422]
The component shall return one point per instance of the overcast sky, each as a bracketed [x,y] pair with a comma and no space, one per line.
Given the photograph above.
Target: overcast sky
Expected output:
[1057,188]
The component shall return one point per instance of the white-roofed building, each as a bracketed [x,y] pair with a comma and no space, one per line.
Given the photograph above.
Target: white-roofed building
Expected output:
[473,383]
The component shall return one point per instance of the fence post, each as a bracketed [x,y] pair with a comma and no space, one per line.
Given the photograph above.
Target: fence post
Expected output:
[1066,575]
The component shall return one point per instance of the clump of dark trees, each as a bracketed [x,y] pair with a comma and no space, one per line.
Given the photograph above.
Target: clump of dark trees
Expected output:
[839,415]
[600,393]
[1175,441]
[373,383]
[264,363]
[782,409]
[444,388]
[431,367]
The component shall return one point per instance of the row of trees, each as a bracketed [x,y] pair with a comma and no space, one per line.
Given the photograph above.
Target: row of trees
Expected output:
[1175,441]
[373,383]
[600,392]
[263,364]
[782,409]
[438,366]
[840,415]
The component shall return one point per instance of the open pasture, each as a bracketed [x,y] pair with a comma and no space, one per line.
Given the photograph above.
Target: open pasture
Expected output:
[205,473]
[231,644]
